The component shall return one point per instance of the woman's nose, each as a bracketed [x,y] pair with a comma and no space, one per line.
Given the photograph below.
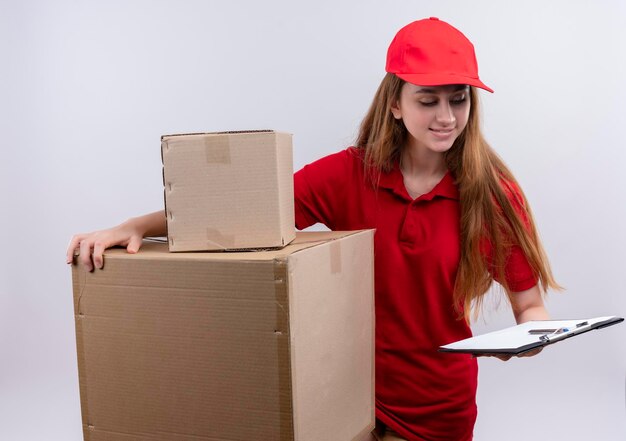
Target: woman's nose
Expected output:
[445,115]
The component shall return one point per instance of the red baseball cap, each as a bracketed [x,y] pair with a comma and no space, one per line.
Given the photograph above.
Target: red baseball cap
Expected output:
[431,52]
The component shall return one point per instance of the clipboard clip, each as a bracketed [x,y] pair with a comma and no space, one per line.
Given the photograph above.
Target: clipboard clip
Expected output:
[547,334]
[546,337]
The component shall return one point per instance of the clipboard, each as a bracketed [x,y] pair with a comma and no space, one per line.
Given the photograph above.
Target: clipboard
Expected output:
[528,336]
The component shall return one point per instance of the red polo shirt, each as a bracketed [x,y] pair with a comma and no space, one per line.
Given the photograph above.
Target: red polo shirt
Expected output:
[420,393]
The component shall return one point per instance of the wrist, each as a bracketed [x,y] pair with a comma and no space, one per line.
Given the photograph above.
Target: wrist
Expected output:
[134,225]
[153,224]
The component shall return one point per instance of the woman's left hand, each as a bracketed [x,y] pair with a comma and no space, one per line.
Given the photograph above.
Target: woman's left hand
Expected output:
[507,357]
[527,305]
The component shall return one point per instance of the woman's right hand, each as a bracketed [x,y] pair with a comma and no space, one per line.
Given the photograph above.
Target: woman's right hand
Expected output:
[129,234]
[91,246]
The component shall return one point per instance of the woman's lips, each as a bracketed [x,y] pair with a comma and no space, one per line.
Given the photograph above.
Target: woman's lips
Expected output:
[442,133]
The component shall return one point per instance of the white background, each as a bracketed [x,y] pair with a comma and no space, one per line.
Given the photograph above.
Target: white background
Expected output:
[87,88]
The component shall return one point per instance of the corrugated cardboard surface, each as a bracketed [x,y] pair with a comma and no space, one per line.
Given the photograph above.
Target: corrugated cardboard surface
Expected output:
[273,345]
[226,191]
[332,345]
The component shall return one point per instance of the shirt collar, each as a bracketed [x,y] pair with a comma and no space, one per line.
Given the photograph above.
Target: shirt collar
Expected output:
[446,188]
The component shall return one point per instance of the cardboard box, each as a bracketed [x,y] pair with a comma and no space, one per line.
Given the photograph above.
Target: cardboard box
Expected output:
[228,190]
[271,345]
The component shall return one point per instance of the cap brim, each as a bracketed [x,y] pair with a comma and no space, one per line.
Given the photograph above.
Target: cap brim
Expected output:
[442,80]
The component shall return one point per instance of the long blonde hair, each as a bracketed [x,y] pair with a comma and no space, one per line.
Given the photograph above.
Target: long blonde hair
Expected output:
[486,189]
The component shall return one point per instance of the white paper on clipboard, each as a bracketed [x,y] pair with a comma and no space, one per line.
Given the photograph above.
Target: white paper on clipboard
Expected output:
[528,336]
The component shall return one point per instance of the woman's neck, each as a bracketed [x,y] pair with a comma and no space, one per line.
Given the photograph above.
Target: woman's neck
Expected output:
[422,170]
[416,162]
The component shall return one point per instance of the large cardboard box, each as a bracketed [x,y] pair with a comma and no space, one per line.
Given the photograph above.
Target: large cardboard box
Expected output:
[228,190]
[270,345]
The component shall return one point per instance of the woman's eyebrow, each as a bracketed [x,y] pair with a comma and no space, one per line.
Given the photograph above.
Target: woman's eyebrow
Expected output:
[425,90]
[457,88]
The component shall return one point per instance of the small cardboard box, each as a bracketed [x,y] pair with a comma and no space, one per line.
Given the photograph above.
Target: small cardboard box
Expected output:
[271,345]
[228,190]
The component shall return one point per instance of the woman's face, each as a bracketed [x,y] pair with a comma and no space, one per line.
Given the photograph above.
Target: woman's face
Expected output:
[433,115]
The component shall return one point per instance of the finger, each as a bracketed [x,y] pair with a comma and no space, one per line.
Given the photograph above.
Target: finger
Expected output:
[134,244]
[73,245]
[530,353]
[502,357]
[484,354]
[98,249]
[84,258]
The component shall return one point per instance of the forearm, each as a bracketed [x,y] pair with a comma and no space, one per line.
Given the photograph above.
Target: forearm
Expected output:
[532,313]
[528,305]
[152,224]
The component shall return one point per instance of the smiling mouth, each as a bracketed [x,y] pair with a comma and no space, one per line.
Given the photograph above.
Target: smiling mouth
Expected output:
[441,132]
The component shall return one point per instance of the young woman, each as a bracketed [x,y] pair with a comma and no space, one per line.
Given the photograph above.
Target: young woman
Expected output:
[449,217]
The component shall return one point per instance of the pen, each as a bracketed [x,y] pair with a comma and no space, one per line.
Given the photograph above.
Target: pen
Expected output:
[554,330]
[546,337]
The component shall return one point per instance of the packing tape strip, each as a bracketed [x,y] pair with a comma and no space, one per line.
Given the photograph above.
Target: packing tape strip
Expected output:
[217,239]
[217,149]
[335,257]
[282,334]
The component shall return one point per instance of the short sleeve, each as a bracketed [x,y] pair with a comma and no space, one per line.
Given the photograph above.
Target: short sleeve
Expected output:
[320,189]
[518,272]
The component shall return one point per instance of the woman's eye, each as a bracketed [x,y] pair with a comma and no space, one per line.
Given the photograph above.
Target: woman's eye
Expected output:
[458,100]
[454,101]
